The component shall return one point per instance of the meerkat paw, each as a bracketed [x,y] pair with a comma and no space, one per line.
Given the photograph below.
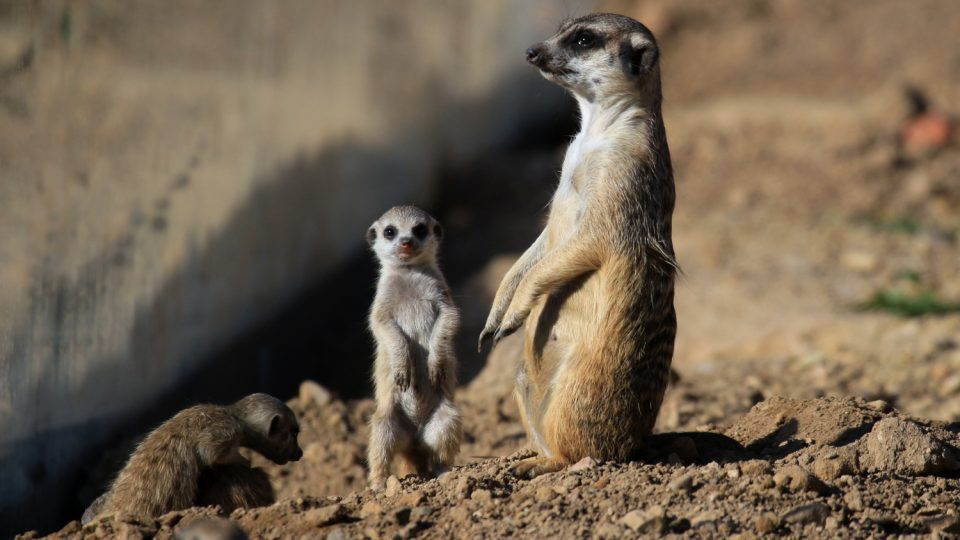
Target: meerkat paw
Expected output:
[401,378]
[533,467]
[437,373]
[377,484]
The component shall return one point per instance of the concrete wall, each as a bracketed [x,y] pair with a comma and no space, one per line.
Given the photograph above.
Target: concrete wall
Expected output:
[172,172]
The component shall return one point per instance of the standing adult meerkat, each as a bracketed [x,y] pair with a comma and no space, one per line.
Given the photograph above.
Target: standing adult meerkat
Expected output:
[164,472]
[596,288]
[413,320]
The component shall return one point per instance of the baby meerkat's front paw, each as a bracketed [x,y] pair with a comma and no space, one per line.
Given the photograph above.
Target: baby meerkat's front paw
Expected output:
[437,373]
[401,378]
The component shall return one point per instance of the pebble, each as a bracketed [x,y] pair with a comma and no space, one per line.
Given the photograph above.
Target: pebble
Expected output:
[808,513]
[797,480]
[901,446]
[683,483]
[313,393]
[767,523]
[482,496]
[393,486]
[584,464]
[325,515]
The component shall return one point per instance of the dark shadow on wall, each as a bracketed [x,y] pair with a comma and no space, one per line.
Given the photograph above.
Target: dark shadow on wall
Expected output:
[491,205]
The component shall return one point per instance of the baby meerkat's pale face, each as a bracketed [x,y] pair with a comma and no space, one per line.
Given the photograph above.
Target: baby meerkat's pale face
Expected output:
[598,56]
[405,236]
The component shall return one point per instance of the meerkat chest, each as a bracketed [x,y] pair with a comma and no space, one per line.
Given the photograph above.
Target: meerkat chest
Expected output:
[414,300]
[573,192]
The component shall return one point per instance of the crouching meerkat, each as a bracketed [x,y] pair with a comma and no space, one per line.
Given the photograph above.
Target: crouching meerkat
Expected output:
[413,320]
[192,459]
[596,288]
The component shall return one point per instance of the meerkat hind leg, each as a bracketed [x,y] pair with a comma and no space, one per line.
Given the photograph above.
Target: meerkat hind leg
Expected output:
[388,435]
[442,436]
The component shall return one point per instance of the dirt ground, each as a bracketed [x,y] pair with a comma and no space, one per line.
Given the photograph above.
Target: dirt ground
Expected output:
[817,389]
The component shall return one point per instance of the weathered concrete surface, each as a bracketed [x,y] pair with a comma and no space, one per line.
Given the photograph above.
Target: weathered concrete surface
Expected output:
[172,172]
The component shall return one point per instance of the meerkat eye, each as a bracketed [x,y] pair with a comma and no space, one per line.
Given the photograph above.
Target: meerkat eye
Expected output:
[420,231]
[390,232]
[584,39]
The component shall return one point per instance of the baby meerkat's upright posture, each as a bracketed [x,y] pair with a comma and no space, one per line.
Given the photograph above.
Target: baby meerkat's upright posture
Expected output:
[163,474]
[413,320]
[596,288]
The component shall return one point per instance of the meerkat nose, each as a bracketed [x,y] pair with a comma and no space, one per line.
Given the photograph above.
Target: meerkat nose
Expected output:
[406,243]
[533,54]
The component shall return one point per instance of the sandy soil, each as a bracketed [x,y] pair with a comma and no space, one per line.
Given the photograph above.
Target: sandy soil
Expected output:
[806,197]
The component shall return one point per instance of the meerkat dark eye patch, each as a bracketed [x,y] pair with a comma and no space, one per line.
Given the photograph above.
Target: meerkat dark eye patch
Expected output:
[420,231]
[583,40]
[389,232]
[637,60]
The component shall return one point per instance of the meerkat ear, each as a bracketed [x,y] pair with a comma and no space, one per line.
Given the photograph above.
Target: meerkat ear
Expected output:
[637,56]
[438,231]
[371,236]
[274,426]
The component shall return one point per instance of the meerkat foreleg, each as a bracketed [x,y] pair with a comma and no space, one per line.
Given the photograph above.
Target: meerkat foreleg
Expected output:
[397,348]
[577,257]
[508,286]
[440,360]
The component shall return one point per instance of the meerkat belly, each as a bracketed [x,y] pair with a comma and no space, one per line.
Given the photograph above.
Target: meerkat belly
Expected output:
[417,321]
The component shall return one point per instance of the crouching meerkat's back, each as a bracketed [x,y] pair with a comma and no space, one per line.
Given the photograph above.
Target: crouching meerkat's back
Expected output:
[194,456]
[596,288]
[413,320]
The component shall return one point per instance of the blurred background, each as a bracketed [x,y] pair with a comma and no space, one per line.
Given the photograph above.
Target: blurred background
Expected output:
[185,186]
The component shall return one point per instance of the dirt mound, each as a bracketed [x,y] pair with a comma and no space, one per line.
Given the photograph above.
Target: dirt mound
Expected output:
[807,467]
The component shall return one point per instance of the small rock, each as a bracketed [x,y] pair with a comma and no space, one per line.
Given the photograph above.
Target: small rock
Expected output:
[808,513]
[902,447]
[682,483]
[653,521]
[337,534]
[880,405]
[797,480]
[211,528]
[709,516]
[465,486]
[393,486]
[326,515]
[544,494]
[482,496]
[412,499]
[832,468]
[371,508]
[584,464]
[859,261]
[421,514]
[854,500]
[312,393]
[767,523]
[832,523]
[609,531]
[756,467]
[733,472]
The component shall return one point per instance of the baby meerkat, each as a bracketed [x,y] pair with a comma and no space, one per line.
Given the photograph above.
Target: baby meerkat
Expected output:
[413,321]
[596,288]
[164,472]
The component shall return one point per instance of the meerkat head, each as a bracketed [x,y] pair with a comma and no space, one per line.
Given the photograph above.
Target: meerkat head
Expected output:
[405,236]
[274,427]
[600,56]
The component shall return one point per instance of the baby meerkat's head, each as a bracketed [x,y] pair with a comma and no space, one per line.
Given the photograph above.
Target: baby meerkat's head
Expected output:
[600,55]
[405,236]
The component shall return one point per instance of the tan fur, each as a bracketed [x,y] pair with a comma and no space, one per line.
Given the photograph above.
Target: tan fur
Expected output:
[164,472]
[414,321]
[596,288]
[235,486]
